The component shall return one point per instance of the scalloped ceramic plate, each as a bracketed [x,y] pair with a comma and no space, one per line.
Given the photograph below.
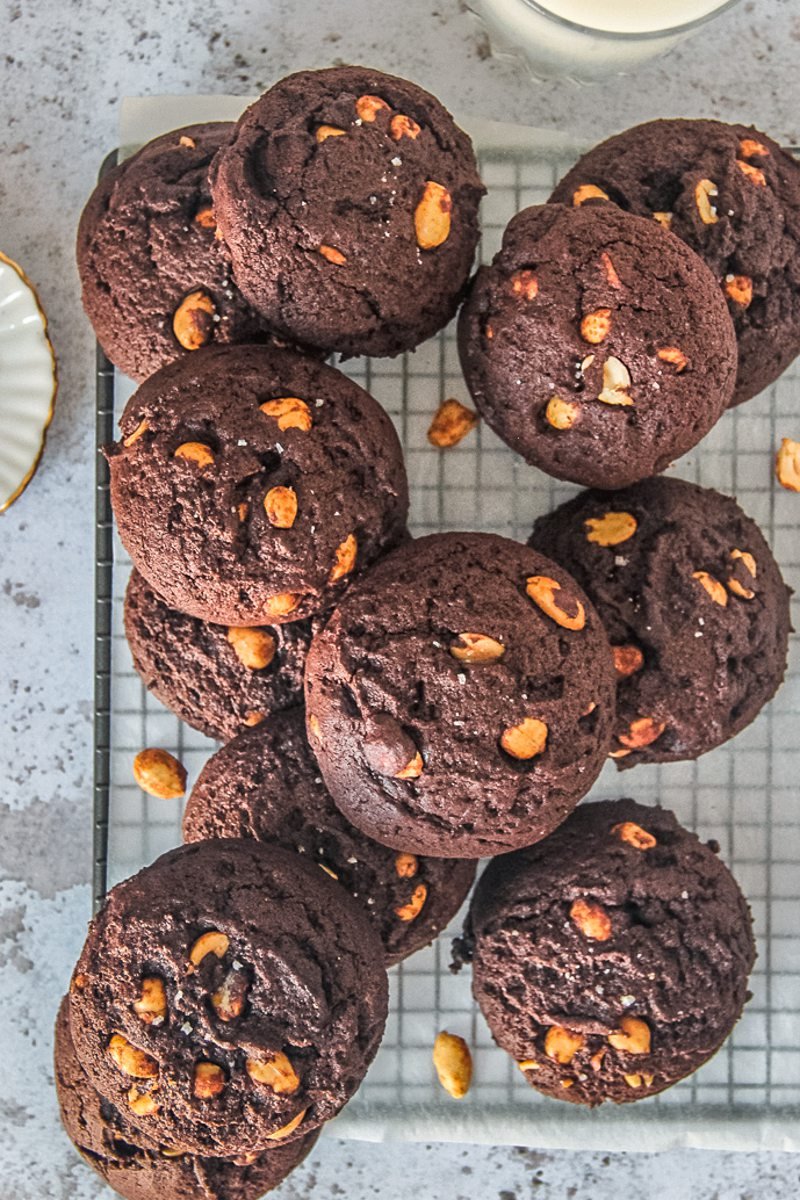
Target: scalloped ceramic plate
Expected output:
[28,381]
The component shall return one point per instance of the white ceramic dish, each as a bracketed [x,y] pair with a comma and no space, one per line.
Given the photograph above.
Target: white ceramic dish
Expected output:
[28,381]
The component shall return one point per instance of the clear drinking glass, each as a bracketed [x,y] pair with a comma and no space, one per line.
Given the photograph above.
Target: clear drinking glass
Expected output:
[588,40]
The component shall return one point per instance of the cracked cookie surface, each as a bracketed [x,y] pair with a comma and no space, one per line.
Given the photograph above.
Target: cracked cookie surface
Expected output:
[266,784]
[596,344]
[694,605]
[229,997]
[733,195]
[108,1143]
[461,698]
[251,482]
[348,200]
[146,242]
[216,679]
[611,959]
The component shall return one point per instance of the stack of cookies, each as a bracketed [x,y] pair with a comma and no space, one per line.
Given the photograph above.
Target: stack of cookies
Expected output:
[391,709]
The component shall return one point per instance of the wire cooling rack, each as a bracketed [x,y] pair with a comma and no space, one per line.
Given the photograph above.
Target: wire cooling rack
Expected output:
[744,794]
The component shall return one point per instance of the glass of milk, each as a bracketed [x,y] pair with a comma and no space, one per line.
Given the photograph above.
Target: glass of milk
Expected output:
[587,40]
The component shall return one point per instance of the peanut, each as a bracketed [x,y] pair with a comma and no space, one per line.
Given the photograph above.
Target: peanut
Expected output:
[705,190]
[596,326]
[159,774]
[476,648]
[280,605]
[140,430]
[642,732]
[143,1104]
[151,1004]
[197,453]
[344,558]
[285,1130]
[275,1072]
[739,289]
[787,465]
[193,320]
[591,919]
[255,648]
[453,1063]
[525,740]
[452,422]
[402,126]
[280,505]
[612,529]
[368,108]
[671,354]
[754,174]
[411,910]
[212,942]
[633,1036]
[432,216]
[634,835]
[328,131]
[562,1044]
[524,284]
[406,865]
[333,255]
[130,1060]
[587,191]
[712,586]
[542,590]
[616,381]
[209,1081]
[204,217]
[561,414]
[610,271]
[289,412]
[413,769]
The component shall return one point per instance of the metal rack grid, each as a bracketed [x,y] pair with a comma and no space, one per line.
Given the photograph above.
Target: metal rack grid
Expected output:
[743,794]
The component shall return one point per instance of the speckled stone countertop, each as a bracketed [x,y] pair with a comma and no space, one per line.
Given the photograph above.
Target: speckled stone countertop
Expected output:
[63,69]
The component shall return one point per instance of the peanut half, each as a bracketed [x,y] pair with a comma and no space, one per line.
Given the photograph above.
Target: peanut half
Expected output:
[476,648]
[275,1072]
[406,865]
[542,590]
[705,192]
[525,740]
[284,1131]
[562,1044]
[368,108]
[332,255]
[151,1005]
[673,355]
[130,1060]
[588,191]
[596,326]
[289,412]
[204,217]
[749,563]
[140,430]
[611,529]
[432,216]
[328,131]
[633,835]
[195,452]
[633,1036]
[754,174]
[344,558]
[209,1081]
[591,919]
[787,465]
[193,320]
[642,732]
[750,148]
[610,271]
[143,1104]
[159,774]
[561,414]
[411,910]
[280,605]
[413,768]
[627,660]
[739,289]
[712,586]
[280,505]
[453,1063]
[452,422]
[402,126]
[524,284]
[229,1000]
[616,381]
[255,648]
[211,942]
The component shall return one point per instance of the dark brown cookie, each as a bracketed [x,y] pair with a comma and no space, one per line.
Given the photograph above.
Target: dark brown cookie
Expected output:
[218,679]
[611,959]
[461,699]
[108,1143]
[694,605]
[733,195]
[266,784]
[156,283]
[228,996]
[597,345]
[251,482]
[348,200]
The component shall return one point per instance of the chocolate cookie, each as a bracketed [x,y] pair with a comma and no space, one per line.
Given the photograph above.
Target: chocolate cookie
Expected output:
[611,959]
[108,1142]
[250,482]
[348,200]
[694,605]
[218,679]
[156,282]
[733,195]
[266,784]
[596,344]
[227,997]
[461,698]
